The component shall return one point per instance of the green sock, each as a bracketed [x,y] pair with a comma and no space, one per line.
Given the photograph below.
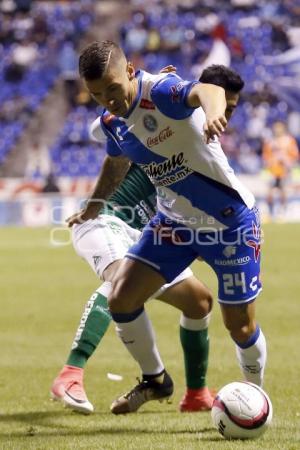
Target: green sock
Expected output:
[195,346]
[93,325]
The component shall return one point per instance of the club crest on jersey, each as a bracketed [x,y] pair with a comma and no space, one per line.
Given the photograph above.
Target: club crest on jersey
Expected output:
[255,243]
[150,123]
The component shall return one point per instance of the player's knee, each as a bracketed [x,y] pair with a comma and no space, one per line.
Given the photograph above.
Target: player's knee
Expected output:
[239,321]
[203,296]
[115,300]
[121,300]
[242,332]
[204,304]
[208,301]
[200,304]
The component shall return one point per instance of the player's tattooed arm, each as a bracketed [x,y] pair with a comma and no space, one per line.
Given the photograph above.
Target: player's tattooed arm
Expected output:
[213,101]
[112,173]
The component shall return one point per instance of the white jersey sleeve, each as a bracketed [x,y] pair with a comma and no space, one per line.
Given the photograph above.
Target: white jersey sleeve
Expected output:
[96,133]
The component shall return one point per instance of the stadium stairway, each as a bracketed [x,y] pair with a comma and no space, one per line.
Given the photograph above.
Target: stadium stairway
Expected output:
[44,126]
[47,123]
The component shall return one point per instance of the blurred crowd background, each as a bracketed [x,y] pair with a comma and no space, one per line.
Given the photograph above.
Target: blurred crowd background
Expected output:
[45,112]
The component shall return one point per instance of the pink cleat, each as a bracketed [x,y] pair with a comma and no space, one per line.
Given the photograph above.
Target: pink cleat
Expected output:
[68,388]
[195,400]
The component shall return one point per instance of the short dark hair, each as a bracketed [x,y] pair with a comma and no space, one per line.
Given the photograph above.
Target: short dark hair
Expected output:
[94,58]
[222,76]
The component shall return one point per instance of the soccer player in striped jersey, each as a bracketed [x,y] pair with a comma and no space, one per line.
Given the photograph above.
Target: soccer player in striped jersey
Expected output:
[103,242]
[170,128]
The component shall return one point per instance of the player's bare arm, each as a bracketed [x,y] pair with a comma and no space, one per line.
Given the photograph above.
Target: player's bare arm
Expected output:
[213,101]
[113,171]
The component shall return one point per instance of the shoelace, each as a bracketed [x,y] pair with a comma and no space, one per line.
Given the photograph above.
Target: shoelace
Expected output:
[142,384]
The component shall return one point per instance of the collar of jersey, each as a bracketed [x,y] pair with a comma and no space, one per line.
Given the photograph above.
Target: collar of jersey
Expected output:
[139,76]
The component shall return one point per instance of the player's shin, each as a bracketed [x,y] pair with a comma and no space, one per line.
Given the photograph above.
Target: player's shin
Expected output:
[68,385]
[137,334]
[195,344]
[252,357]
[93,325]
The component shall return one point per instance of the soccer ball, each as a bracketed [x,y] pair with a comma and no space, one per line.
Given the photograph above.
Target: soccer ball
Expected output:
[241,410]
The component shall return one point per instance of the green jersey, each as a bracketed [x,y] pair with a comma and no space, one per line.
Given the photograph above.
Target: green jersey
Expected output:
[134,201]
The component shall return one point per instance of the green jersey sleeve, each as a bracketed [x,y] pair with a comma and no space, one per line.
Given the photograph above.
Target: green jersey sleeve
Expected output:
[135,199]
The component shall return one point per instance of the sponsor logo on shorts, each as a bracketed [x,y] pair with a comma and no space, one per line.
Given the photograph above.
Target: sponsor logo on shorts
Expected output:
[150,123]
[233,262]
[96,259]
[229,251]
[253,285]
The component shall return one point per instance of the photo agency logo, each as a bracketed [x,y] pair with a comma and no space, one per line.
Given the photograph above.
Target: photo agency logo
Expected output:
[61,234]
[184,233]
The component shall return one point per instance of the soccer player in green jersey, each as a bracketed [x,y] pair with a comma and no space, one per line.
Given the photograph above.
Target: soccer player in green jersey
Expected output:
[103,242]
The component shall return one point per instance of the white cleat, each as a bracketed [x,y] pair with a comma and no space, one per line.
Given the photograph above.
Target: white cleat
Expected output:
[72,394]
[75,398]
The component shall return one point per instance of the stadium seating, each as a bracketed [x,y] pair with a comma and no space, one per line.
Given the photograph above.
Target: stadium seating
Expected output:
[251,33]
[161,35]
[73,154]
[28,85]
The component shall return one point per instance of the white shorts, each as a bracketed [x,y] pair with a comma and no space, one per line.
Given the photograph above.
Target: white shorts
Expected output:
[106,239]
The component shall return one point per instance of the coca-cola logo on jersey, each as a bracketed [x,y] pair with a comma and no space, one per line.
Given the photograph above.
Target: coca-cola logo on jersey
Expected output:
[165,134]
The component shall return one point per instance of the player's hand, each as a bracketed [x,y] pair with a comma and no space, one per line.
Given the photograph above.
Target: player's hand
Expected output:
[214,127]
[168,69]
[82,216]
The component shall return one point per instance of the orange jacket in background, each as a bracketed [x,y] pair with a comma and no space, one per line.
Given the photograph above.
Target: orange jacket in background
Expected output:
[280,154]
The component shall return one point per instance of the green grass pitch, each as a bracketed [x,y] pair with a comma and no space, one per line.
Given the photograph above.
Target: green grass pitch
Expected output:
[43,291]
